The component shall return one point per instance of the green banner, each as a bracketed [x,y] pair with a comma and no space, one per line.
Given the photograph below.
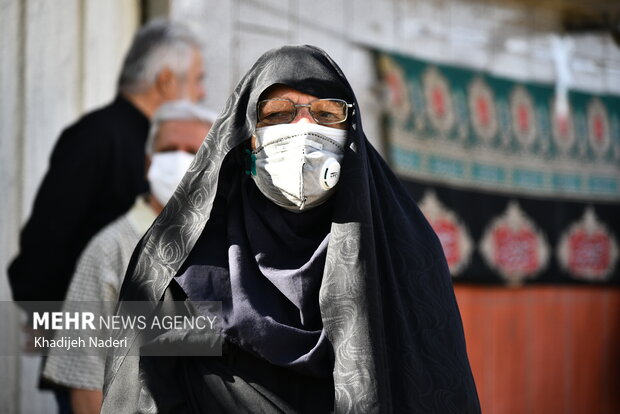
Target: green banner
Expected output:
[472,130]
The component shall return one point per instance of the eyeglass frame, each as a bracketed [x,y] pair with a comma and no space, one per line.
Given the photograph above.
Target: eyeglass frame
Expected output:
[295,106]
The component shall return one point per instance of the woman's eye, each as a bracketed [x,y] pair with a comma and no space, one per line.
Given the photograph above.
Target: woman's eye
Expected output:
[326,115]
[277,115]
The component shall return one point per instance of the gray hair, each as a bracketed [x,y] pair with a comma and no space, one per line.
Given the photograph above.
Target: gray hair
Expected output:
[182,110]
[157,45]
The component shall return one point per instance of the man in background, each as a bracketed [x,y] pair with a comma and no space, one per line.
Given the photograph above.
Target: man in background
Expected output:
[177,132]
[97,166]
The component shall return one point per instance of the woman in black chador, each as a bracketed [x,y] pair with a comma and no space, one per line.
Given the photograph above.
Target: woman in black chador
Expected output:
[335,292]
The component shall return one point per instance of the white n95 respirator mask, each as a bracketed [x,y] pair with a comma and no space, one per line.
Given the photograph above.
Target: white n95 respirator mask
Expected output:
[297,166]
[165,173]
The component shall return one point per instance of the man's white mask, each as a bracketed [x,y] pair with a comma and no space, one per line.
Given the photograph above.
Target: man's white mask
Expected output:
[298,165]
[165,173]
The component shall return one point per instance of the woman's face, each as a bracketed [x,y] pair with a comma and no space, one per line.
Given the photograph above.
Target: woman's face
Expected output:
[303,114]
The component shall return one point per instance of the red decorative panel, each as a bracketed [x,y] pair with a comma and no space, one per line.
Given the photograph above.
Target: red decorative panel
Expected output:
[544,349]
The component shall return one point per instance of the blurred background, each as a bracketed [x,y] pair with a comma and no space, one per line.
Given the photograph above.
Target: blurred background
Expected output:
[501,117]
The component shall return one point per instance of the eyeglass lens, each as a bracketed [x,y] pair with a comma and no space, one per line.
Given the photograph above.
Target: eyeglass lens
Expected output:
[282,111]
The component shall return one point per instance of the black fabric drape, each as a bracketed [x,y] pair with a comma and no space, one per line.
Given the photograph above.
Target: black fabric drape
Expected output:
[386,300]
[270,262]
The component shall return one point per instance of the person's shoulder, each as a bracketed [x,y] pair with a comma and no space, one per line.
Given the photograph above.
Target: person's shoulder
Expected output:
[97,118]
[92,133]
[103,262]
[117,235]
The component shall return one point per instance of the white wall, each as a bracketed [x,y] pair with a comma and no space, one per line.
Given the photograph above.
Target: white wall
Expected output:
[58,59]
[10,38]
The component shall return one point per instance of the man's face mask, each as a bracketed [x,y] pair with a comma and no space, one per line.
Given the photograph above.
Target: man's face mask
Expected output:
[166,171]
[298,165]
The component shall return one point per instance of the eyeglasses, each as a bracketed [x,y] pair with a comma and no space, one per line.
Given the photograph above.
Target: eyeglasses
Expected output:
[323,111]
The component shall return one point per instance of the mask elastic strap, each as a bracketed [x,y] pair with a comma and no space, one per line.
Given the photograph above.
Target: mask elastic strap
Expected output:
[250,163]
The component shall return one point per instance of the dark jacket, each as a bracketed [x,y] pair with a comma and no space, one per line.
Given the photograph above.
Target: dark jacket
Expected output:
[96,171]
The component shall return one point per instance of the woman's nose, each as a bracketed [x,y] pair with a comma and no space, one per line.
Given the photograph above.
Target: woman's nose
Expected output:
[303,115]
